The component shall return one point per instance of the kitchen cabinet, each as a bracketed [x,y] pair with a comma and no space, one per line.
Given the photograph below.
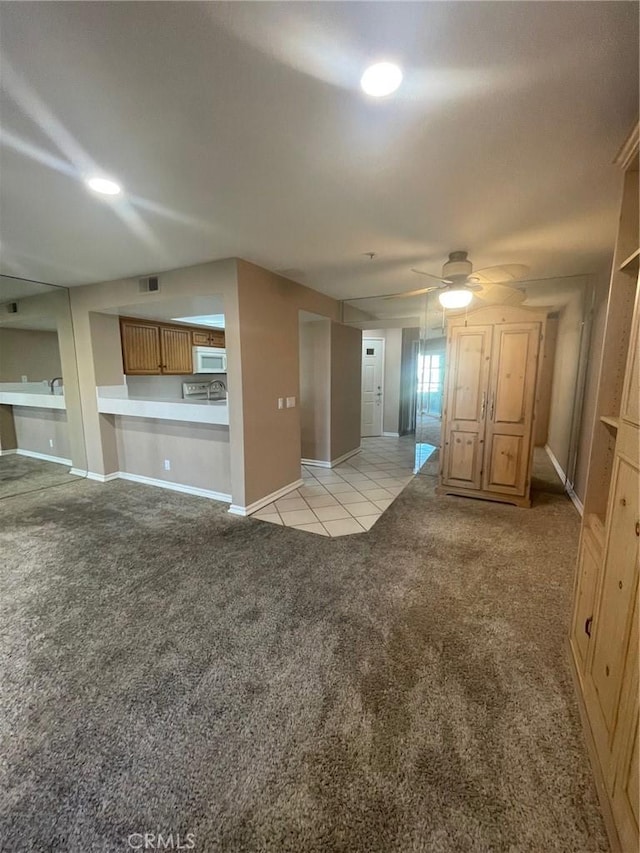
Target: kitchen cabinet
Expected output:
[490,388]
[604,628]
[150,348]
[206,338]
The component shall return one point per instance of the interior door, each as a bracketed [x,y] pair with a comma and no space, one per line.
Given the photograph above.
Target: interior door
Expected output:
[465,408]
[514,361]
[372,367]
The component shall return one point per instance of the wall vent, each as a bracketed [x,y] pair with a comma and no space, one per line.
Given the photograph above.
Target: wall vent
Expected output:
[11,307]
[151,284]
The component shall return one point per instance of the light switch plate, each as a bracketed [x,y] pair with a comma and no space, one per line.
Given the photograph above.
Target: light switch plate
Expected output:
[291,402]
[281,402]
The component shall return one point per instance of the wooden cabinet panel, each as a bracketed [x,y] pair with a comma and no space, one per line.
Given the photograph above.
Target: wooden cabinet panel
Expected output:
[505,463]
[200,339]
[465,407]
[512,391]
[176,350]
[620,578]
[582,628]
[630,410]
[216,338]
[140,348]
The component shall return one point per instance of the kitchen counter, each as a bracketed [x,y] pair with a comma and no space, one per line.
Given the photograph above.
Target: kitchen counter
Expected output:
[15,394]
[114,400]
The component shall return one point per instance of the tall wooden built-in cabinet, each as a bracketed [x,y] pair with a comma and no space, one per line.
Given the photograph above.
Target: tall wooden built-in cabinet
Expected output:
[490,389]
[604,630]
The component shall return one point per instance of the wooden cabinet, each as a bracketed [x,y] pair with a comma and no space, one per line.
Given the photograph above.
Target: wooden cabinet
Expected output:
[604,632]
[492,366]
[206,338]
[150,348]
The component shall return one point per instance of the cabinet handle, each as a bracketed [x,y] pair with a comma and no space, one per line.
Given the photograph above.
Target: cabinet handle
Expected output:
[483,406]
[493,400]
[637,528]
[587,626]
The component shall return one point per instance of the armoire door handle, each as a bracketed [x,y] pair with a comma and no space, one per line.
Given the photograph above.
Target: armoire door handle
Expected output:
[587,626]
[493,400]
[483,405]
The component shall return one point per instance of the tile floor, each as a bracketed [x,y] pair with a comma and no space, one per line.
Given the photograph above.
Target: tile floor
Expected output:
[351,497]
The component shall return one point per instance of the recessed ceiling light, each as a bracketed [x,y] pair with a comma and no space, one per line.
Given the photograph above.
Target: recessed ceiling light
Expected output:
[381,79]
[104,186]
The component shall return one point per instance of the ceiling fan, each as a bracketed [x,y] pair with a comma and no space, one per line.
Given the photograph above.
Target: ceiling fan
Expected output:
[459,283]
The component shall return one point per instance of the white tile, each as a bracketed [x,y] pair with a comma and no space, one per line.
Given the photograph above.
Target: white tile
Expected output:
[343,526]
[374,492]
[298,516]
[308,491]
[312,528]
[322,500]
[347,498]
[272,517]
[352,477]
[367,521]
[269,509]
[384,503]
[331,513]
[363,508]
[340,488]
[288,504]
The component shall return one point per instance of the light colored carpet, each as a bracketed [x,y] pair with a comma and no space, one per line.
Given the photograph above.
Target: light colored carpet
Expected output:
[20,474]
[168,667]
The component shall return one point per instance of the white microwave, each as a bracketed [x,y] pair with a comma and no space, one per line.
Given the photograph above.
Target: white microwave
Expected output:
[209,360]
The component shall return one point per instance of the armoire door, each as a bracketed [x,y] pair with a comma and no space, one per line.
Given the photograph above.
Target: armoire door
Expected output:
[466,403]
[512,388]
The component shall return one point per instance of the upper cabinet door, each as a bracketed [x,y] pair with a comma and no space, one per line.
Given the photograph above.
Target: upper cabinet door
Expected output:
[466,403]
[200,339]
[514,362]
[140,348]
[176,350]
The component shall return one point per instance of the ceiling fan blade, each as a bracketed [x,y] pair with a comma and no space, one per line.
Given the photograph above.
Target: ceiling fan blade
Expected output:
[435,277]
[500,274]
[409,293]
[501,294]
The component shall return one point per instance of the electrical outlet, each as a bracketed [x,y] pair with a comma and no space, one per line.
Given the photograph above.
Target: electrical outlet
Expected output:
[281,402]
[167,464]
[50,442]
[24,379]
[291,402]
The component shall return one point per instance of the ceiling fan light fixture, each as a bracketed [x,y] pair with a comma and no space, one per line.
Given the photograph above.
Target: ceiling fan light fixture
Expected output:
[455,297]
[381,79]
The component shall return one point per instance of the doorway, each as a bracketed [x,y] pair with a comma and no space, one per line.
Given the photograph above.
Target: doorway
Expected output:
[372,386]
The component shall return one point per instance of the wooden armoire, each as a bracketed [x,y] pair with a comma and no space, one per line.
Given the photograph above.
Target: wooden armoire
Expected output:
[490,390]
[604,630]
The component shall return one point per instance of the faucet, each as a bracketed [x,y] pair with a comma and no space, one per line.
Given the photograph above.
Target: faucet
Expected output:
[52,383]
[215,385]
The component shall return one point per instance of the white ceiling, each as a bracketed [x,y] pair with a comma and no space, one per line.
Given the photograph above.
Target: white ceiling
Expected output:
[238,129]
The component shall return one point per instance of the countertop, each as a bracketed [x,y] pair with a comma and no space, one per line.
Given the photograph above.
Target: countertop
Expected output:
[114,400]
[31,394]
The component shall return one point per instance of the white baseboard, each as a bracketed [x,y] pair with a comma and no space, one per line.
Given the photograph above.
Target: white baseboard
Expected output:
[99,478]
[60,460]
[8,452]
[323,463]
[568,487]
[174,487]
[391,434]
[316,463]
[235,509]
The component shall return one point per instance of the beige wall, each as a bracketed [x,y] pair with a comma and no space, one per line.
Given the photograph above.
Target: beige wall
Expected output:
[30,353]
[198,453]
[315,389]
[268,307]
[545,383]
[346,380]
[35,428]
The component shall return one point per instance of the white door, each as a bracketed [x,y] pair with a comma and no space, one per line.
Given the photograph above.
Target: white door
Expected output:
[372,366]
